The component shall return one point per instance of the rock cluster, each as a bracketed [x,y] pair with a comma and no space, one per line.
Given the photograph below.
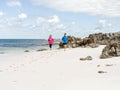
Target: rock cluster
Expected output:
[110,50]
[111,40]
[104,39]
[93,40]
[78,42]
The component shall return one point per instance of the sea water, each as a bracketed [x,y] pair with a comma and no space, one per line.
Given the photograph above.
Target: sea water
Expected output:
[22,44]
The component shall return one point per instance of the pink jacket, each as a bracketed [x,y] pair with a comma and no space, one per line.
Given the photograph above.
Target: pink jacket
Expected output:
[50,40]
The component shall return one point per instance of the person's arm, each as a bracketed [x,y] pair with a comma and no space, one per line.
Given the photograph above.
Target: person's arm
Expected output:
[62,39]
[48,40]
[67,39]
[53,40]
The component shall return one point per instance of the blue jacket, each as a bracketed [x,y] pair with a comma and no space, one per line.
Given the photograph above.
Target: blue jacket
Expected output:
[65,39]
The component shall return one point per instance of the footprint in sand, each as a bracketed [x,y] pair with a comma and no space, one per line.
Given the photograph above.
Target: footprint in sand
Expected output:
[14,67]
[1,70]
[14,82]
[22,65]
[98,65]
[109,65]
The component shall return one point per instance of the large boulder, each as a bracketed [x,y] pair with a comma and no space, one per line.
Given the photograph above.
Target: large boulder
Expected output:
[110,50]
[61,45]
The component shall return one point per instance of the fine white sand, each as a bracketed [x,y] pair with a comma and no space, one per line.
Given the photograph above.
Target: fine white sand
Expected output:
[59,70]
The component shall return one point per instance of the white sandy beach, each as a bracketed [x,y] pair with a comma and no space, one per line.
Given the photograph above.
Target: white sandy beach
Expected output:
[59,70]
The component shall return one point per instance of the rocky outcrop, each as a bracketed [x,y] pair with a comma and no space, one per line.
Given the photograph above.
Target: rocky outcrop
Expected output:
[104,39]
[78,42]
[111,40]
[93,40]
[110,50]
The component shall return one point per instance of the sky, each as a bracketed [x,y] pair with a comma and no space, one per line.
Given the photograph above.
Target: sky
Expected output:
[37,19]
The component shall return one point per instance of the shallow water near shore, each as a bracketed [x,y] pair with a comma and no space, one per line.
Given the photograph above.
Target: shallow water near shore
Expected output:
[20,45]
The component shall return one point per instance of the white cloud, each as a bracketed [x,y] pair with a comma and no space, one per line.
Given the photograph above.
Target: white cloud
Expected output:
[109,24]
[13,21]
[57,28]
[60,27]
[102,23]
[1,13]
[73,23]
[22,16]
[31,27]
[97,30]
[40,20]
[13,3]
[109,8]
[54,19]
[51,20]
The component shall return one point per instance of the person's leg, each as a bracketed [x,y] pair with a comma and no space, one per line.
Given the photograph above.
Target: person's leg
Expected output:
[64,47]
[50,46]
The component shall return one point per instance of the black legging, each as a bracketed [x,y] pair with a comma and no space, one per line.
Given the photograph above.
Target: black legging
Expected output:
[50,45]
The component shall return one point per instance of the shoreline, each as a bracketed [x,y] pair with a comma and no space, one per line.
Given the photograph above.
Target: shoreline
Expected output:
[30,49]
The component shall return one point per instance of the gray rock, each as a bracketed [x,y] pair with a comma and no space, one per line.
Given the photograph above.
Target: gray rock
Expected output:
[26,51]
[111,50]
[102,72]
[2,52]
[86,58]
[41,49]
